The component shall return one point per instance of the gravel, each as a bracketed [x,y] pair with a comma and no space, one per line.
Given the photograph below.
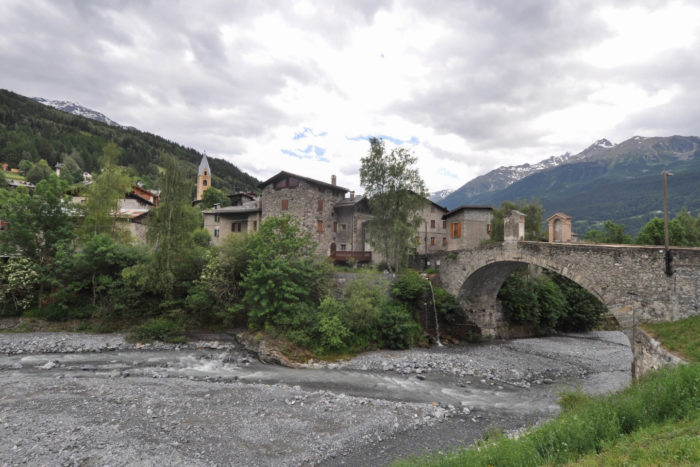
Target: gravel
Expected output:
[72,410]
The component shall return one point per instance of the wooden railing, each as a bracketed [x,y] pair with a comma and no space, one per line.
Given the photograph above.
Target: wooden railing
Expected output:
[360,256]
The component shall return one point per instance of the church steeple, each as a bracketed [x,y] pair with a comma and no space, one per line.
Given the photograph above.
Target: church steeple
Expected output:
[203,177]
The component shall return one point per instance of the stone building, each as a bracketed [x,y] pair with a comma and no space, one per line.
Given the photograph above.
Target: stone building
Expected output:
[203,178]
[242,217]
[431,236]
[322,210]
[559,227]
[467,226]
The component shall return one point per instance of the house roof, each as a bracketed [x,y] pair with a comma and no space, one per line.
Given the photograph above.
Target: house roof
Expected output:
[465,207]
[560,215]
[350,202]
[248,207]
[204,165]
[284,174]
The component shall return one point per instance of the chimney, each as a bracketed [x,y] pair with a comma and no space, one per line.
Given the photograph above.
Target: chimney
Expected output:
[352,196]
[333,180]
[217,205]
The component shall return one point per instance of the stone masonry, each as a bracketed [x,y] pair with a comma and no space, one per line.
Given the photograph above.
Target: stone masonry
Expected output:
[629,280]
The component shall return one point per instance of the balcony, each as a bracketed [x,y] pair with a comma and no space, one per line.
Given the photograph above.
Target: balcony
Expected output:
[359,256]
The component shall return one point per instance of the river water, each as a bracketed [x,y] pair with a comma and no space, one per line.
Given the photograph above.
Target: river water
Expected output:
[388,403]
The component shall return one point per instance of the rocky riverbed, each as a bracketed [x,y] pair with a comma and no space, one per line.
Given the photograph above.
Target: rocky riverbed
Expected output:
[75,399]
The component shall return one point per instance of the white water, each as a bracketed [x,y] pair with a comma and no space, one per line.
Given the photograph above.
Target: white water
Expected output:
[437,326]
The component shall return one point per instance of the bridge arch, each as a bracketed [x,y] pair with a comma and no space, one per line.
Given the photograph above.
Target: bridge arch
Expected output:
[628,280]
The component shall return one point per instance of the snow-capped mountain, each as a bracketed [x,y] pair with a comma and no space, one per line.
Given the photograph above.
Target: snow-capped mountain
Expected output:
[501,178]
[438,196]
[77,109]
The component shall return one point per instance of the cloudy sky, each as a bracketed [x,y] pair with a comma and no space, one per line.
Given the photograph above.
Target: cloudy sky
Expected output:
[300,85]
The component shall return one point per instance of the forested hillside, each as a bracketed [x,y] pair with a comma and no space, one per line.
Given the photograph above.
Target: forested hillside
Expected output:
[32,131]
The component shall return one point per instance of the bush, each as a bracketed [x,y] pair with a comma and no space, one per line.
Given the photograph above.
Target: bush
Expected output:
[398,329]
[160,329]
[447,306]
[410,287]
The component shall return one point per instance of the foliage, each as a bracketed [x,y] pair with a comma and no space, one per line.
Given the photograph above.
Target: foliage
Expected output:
[160,329]
[549,302]
[176,258]
[396,192]
[19,279]
[218,290]
[213,196]
[103,197]
[683,230]
[681,337]
[38,172]
[410,287]
[668,395]
[447,306]
[613,233]
[533,219]
[283,275]
[38,224]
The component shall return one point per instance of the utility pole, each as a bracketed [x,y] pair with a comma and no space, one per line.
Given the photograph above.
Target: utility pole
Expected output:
[667,251]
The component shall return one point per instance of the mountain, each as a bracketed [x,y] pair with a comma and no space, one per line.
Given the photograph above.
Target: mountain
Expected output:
[31,130]
[439,196]
[619,182]
[76,109]
[498,179]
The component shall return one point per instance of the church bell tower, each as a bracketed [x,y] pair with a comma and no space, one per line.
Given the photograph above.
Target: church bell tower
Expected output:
[203,178]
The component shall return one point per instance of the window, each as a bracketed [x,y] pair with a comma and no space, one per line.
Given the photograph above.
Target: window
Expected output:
[285,204]
[343,247]
[216,217]
[236,227]
[444,241]
[432,208]
[488,228]
[444,224]
[335,226]
[216,232]
[456,230]
[343,226]
[432,240]
[204,183]
[281,184]
[255,226]
[319,226]
[320,205]
[292,182]
[417,240]
[432,223]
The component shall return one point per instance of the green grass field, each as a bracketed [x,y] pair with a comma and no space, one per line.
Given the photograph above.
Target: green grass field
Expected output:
[680,337]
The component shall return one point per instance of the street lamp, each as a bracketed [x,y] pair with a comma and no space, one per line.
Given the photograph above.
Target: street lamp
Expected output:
[667,251]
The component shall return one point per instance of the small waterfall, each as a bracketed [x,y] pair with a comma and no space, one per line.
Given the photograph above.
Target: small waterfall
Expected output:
[437,326]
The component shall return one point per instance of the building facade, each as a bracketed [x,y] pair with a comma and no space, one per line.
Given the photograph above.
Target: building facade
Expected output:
[467,226]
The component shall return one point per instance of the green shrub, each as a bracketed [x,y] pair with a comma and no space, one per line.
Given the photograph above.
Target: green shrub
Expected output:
[398,329]
[160,329]
[447,306]
[410,287]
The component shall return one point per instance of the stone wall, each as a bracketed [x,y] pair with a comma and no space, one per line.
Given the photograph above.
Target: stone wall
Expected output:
[649,354]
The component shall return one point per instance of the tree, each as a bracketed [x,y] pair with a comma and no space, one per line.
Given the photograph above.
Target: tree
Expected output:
[396,193]
[38,172]
[533,219]
[170,229]
[213,196]
[613,233]
[653,233]
[104,195]
[285,280]
[38,224]
[71,171]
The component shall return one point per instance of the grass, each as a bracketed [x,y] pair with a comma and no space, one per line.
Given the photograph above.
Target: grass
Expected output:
[670,443]
[680,337]
[600,426]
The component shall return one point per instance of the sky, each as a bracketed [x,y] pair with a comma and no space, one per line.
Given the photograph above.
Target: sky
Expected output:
[467,86]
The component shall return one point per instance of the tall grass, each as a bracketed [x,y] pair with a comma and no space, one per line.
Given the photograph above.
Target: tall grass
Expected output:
[681,337]
[665,395]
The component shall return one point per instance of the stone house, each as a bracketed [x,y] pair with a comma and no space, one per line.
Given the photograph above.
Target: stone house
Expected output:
[431,236]
[243,216]
[467,226]
[559,228]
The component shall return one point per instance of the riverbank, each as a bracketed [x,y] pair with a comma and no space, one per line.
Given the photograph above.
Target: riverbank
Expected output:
[72,398]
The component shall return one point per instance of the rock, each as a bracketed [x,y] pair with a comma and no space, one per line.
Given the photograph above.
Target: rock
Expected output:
[49,365]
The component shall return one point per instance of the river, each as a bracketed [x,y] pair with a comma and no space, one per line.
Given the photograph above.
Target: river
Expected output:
[199,405]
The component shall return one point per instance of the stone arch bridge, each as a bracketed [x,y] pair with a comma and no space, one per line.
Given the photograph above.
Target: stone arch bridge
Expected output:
[630,280]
